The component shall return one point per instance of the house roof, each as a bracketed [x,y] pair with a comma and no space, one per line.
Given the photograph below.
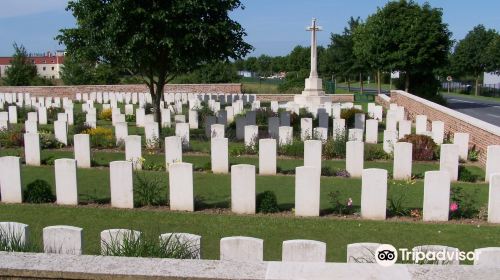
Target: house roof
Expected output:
[53,59]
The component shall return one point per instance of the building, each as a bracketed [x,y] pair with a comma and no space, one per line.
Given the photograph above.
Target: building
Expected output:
[48,65]
[491,80]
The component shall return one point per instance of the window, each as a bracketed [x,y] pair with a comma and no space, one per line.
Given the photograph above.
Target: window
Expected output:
[43,68]
[52,68]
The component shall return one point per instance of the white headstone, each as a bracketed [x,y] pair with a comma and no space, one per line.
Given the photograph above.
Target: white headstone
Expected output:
[312,153]
[243,189]
[32,149]
[61,131]
[303,251]
[438,132]
[241,248]
[492,161]
[219,155]
[306,128]
[121,184]
[374,194]
[182,130]
[307,190]
[17,233]
[362,252]
[267,156]
[112,239]
[354,158]
[10,179]
[173,150]
[66,181]
[404,128]
[402,161]
[217,131]
[371,131]
[355,134]
[251,135]
[436,196]
[462,140]
[285,135]
[421,124]
[487,256]
[63,240]
[448,160]
[390,138]
[181,186]
[494,199]
[133,150]
[82,150]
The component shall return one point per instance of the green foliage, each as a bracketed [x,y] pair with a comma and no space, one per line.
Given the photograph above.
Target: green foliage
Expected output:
[12,241]
[217,72]
[464,175]
[21,71]
[79,124]
[147,190]
[52,113]
[267,202]
[13,137]
[335,147]
[471,55]
[294,149]
[38,191]
[138,246]
[398,199]
[423,146]
[48,140]
[156,40]
[473,154]
[349,116]
[466,203]
[398,37]
[375,152]
[77,71]
[340,205]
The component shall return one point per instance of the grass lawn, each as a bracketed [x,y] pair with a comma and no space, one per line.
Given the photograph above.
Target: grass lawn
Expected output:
[336,232]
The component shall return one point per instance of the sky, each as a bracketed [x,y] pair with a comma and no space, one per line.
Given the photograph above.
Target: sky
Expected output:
[274,27]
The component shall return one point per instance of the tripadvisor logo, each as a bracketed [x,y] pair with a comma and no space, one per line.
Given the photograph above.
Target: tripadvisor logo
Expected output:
[387,255]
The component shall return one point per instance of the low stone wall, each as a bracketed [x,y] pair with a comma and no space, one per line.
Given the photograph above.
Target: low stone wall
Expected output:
[482,134]
[70,91]
[54,266]
[289,97]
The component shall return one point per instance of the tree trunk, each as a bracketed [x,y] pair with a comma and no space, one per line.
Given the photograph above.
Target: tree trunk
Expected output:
[407,81]
[379,86]
[348,85]
[157,97]
[361,89]
[477,85]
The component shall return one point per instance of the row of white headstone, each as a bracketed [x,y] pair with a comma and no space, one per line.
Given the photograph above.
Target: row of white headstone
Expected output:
[243,188]
[69,240]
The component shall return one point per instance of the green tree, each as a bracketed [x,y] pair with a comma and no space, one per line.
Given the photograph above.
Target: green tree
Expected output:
[75,72]
[404,36]
[494,55]
[471,56]
[21,71]
[341,56]
[156,39]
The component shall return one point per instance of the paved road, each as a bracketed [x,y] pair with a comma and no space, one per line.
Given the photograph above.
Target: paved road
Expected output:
[488,111]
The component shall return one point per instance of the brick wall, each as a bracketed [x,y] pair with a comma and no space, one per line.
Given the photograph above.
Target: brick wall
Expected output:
[289,97]
[482,134]
[70,91]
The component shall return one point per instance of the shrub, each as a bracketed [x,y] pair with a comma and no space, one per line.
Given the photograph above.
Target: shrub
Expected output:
[267,202]
[39,191]
[147,190]
[106,114]
[101,137]
[10,241]
[132,246]
[327,171]
[335,147]
[375,152]
[48,140]
[130,118]
[340,205]
[79,124]
[423,146]
[398,199]
[295,149]
[349,116]
[10,138]
[52,113]
[465,175]
[473,154]
[463,205]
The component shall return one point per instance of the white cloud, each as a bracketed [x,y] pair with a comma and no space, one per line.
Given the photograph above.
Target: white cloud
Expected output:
[15,8]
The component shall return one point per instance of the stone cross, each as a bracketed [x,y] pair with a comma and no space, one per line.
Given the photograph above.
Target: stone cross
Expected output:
[313,28]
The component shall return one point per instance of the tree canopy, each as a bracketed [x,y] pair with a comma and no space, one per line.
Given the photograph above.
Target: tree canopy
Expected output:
[475,53]
[75,72]
[156,39]
[404,36]
[21,71]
